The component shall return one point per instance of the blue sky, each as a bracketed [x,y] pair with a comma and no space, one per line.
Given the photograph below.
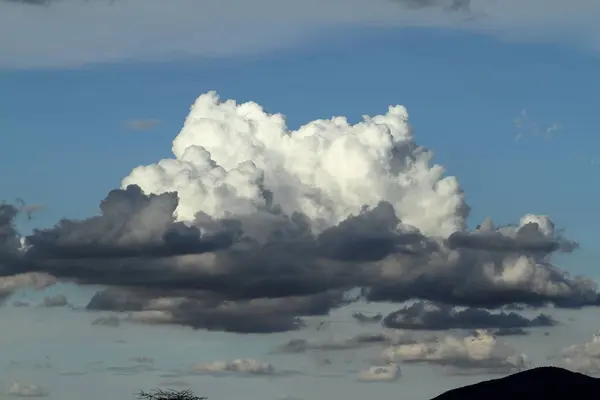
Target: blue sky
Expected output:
[66,140]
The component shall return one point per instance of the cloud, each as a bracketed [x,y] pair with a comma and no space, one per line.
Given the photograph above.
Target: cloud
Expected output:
[358,341]
[73,33]
[238,366]
[526,126]
[367,319]
[46,3]
[383,373]
[27,390]
[59,300]
[142,124]
[450,5]
[251,226]
[130,369]
[111,321]
[10,284]
[427,316]
[584,358]
[143,360]
[174,383]
[480,353]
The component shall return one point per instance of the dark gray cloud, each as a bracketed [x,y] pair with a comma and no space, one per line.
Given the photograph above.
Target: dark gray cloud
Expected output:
[264,271]
[111,320]
[426,316]
[42,44]
[143,360]
[46,3]
[26,390]
[476,354]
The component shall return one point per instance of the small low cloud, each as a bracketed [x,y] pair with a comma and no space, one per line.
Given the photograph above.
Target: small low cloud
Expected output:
[143,360]
[170,254]
[584,358]
[28,209]
[383,373]
[38,281]
[361,340]
[142,124]
[448,5]
[170,383]
[431,316]
[72,373]
[27,390]
[110,320]
[479,353]
[59,300]
[20,303]
[239,366]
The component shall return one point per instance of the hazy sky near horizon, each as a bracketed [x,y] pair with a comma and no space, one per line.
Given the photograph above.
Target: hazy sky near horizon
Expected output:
[504,93]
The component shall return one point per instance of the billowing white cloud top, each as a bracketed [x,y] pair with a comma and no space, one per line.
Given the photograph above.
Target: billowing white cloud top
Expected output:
[227,155]
[244,366]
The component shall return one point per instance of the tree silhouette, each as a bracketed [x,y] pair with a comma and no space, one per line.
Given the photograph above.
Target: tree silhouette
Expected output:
[160,394]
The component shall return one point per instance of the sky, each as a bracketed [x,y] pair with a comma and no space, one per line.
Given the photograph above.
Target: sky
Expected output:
[94,94]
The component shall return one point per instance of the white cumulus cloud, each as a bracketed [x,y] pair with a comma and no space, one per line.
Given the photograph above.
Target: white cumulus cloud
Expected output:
[242,366]
[481,352]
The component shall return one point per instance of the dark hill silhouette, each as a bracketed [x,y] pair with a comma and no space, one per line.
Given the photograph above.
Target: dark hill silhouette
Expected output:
[536,383]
